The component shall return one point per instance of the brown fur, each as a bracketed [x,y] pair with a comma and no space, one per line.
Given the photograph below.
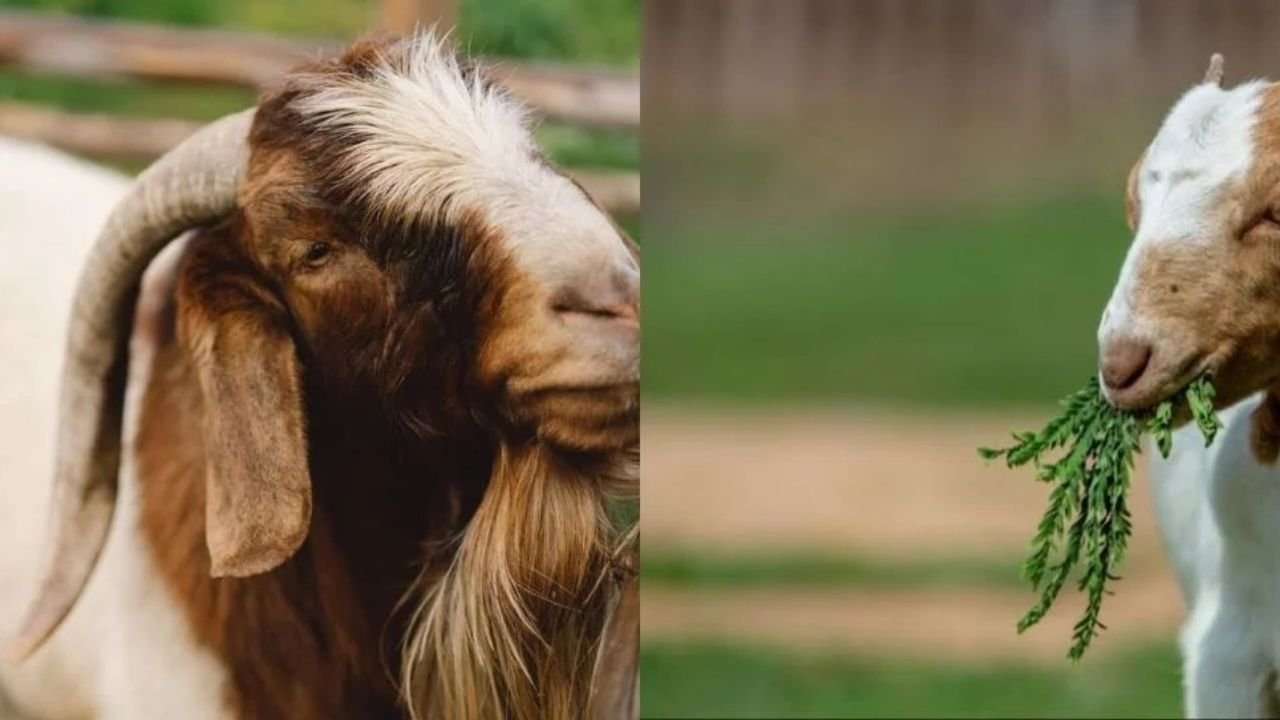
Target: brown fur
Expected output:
[1132,206]
[1219,301]
[338,429]
[1264,433]
[315,637]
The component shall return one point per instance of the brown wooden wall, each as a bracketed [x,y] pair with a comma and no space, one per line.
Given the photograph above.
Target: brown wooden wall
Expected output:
[1042,55]
[867,101]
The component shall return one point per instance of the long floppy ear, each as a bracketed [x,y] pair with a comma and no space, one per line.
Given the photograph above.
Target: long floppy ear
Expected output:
[258,500]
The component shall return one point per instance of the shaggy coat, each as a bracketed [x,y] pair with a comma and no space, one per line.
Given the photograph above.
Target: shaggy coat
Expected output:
[377,414]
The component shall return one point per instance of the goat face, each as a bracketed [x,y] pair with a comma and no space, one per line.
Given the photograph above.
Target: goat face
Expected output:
[424,250]
[1199,290]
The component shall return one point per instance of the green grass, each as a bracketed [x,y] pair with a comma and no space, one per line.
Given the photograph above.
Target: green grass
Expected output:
[596,31]
[704,680]
[604,31]
[124,97]
[742,569]
[970,307]
[577,146]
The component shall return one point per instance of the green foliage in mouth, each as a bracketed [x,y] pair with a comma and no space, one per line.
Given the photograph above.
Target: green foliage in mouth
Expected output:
[1087,454]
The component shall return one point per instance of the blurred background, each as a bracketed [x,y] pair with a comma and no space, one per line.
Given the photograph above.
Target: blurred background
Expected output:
[879,233]
[121,81]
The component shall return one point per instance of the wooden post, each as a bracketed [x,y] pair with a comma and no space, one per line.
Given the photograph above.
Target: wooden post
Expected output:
[403,16]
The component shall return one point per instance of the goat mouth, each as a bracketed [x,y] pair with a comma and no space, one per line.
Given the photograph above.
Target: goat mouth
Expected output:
[612,383]
[588,417]
[591,400]
[1163,384]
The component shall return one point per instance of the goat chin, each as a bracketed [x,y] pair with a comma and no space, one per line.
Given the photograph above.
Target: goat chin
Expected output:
[509,628]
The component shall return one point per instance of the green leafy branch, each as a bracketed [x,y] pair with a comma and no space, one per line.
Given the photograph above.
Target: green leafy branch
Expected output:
[1088,516]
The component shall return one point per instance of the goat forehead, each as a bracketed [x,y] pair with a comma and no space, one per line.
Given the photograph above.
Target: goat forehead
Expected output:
[425,138]
[1204,147]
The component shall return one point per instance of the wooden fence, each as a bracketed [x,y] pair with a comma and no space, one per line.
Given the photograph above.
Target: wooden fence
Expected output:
[842,104]
[960,57]
[71,46]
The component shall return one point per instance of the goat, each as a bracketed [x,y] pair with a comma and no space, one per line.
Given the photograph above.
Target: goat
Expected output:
[44,243]
[361,422]
[1199,292]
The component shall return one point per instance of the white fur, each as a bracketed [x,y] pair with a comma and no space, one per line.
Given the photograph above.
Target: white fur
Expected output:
[1217,510]
[125,652]
[1205,143]
[429,143]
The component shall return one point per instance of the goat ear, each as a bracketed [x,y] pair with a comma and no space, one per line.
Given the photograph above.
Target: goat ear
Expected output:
[1132,205]
[258,499]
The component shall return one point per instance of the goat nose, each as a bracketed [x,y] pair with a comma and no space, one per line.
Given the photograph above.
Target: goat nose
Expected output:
[1123,361]
[607,296]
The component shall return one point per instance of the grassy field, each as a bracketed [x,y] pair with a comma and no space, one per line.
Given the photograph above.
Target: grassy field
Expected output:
[983,307]
[964,308]
[717,680]
[732,571]
[597,31]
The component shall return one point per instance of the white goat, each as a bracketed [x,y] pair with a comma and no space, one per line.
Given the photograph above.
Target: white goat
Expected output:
[1200,292]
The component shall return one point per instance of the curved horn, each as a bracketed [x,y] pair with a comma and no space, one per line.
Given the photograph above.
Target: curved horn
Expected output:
[193,184]
[1214,73]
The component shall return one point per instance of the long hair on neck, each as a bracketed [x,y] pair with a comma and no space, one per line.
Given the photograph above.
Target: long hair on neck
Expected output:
[511,627]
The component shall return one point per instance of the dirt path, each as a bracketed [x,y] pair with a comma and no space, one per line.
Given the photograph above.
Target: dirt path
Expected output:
[951,625]
[894,487]
[873,483]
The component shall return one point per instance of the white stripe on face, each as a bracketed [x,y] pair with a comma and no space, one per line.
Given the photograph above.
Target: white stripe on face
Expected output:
[1204,146]
[429,140]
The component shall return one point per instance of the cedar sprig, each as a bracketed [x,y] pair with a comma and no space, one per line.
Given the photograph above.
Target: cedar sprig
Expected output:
[1088,518]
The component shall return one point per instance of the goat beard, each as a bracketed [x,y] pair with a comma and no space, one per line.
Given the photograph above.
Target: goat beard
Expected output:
[512,626]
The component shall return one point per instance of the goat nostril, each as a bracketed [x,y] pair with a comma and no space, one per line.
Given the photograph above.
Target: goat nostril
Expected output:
[602,297]
[1124,362]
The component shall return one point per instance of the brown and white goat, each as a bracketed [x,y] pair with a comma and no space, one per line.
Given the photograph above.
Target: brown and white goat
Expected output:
[372,407]
[1199,293]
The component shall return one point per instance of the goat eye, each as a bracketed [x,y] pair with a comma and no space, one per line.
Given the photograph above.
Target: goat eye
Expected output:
[317,253]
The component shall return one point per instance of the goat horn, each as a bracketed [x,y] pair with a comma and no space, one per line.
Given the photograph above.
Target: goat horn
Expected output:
[1214,73]
[191,185]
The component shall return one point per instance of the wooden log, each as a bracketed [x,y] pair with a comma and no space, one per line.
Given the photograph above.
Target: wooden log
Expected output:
[60,44]
[93,134]
[108,135]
